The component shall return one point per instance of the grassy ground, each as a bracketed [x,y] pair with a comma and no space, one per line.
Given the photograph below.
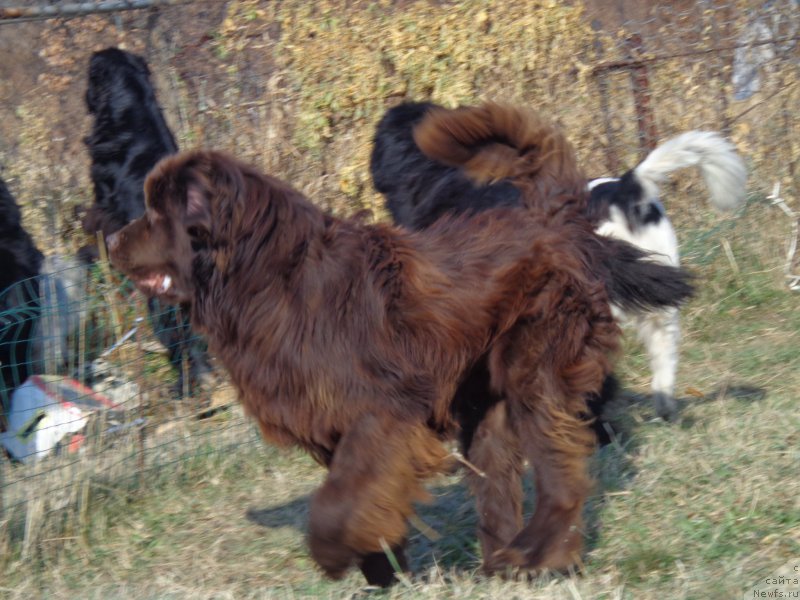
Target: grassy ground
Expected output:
[696,509]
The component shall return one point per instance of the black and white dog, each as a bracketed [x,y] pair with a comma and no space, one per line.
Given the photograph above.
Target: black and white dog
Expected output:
[129,136]
[629,208]
[419,190]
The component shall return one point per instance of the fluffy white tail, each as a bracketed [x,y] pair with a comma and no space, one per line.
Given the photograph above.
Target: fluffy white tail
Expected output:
[722,168]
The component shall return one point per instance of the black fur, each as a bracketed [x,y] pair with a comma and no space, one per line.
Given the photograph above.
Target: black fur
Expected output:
[626,194]
[418,190]
[637,284]
[129,136]
[473,399]
[20,261]
[595,403]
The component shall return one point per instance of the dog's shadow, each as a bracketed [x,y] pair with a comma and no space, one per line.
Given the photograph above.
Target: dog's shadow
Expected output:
[624,422]
[292,514]
[613,468]
[444,532]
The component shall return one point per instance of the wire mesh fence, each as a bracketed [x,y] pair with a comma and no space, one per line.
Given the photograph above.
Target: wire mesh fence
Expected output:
[297,88]
[706,65]
[90,397]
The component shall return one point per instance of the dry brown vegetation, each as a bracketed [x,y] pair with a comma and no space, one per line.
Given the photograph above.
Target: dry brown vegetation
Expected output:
[297,87]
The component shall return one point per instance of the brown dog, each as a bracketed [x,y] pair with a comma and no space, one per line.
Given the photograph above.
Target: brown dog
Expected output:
[350,340]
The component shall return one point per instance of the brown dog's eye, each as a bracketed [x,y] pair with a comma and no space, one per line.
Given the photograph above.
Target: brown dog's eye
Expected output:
[198,237]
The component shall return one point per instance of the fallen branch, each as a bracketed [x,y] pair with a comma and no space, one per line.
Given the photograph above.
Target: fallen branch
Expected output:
[641,61]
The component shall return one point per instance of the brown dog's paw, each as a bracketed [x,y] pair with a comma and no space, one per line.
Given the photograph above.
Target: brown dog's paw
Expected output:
[505,562]
[333,558]
[516,564]
[379,570]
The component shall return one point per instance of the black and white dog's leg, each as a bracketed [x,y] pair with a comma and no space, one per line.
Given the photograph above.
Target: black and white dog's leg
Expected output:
[660,332]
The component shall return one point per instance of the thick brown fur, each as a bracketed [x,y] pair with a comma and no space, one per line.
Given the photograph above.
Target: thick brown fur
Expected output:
[349,340]
[493,142]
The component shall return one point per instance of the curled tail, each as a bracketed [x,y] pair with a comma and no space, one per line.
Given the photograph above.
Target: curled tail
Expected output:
[722,168]
[494,142]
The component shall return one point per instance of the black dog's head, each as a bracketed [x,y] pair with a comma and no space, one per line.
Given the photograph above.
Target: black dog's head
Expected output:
[112,70]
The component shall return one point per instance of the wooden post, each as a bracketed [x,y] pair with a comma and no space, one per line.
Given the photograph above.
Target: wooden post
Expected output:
[640,82]
[612,159]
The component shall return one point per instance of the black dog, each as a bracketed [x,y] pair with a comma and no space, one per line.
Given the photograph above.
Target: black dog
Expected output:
[20,261]
[129,136]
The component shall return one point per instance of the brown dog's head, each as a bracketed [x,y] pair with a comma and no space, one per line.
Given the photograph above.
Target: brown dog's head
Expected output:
[191,199]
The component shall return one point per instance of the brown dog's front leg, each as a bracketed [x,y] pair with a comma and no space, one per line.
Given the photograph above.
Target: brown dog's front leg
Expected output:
[375,476]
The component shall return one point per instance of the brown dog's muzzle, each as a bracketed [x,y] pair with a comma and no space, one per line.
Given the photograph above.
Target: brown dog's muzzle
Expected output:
[143,254]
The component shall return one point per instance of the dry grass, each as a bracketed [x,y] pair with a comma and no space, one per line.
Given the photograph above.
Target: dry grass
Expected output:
[696,509]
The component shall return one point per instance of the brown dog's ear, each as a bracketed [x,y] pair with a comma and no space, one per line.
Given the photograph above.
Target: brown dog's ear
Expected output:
[198,211]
